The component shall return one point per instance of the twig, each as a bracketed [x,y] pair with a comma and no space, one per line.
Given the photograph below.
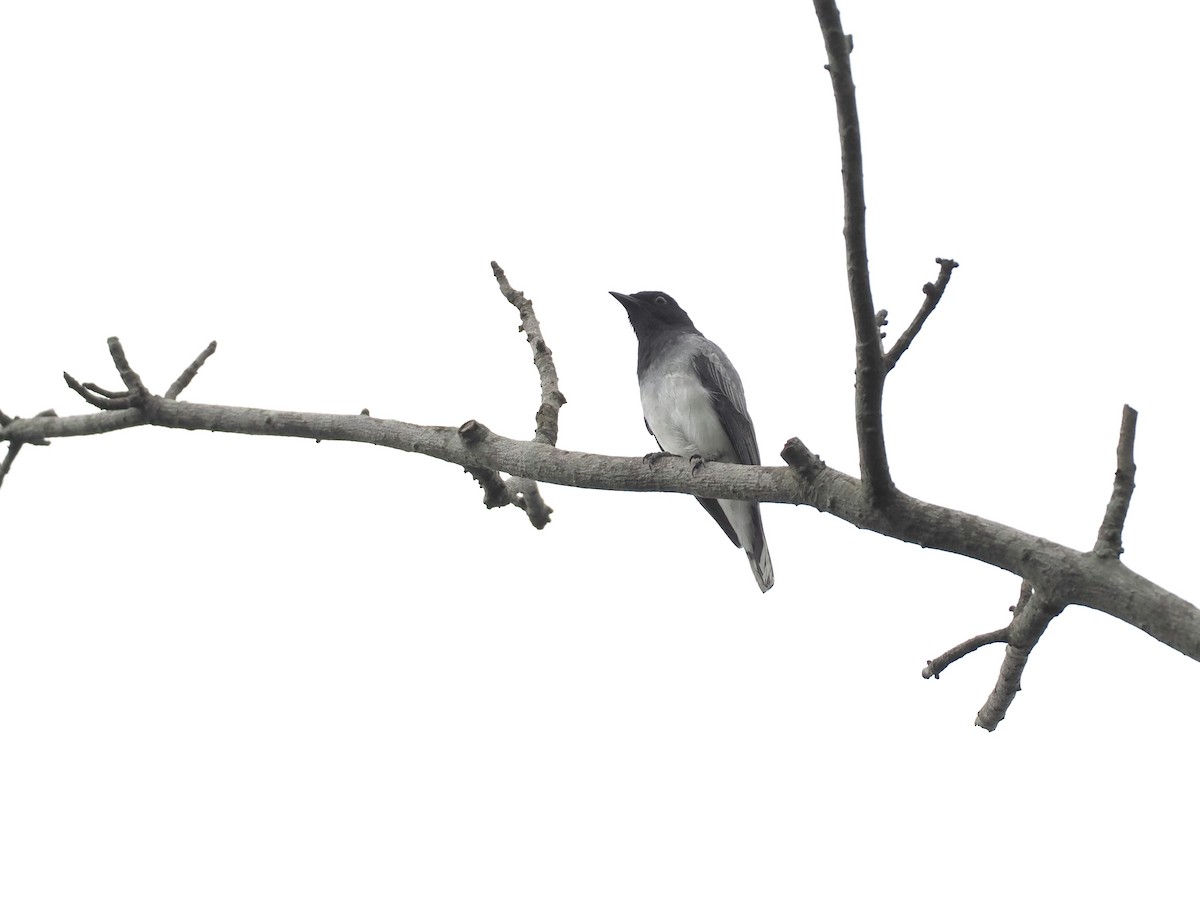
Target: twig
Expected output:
[523,492]
[935,667]
[543,359]
[189,373]
[933,293]
[101,399]
[132,380]
[869,371]
[15,445]
[1031,616]
[13,449]
[1108,540]
[104,392]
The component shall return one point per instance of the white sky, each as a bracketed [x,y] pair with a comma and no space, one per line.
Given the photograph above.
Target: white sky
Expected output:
[244,667]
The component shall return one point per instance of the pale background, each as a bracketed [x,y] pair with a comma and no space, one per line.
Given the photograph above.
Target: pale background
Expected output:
[245,667]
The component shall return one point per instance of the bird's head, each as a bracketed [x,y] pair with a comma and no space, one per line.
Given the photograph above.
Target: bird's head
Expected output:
[651,311]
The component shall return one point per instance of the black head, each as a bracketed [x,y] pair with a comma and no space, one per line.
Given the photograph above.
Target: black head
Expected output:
[651,311]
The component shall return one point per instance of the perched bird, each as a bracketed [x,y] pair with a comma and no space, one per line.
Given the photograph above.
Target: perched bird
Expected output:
[693,404]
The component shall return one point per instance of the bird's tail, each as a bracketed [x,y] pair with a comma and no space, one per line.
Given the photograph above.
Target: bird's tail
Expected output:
[764,572]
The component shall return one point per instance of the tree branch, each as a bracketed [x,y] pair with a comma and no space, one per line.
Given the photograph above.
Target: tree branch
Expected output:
[523,492]
[185,377]
[14,446]
[1030,620]
[933,293]
[869,367]
[935,667]
[1086,579]
[1108,540]
[543,359]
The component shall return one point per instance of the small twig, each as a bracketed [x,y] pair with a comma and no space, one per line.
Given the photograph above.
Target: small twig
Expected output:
[100,399]
[869,369]
[935,667]
[1108,540]
[189,373]
[14,446]
[104,392]
[933,293]
[13,449]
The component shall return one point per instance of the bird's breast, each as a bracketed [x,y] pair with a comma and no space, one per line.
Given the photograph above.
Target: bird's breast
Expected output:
[680,413]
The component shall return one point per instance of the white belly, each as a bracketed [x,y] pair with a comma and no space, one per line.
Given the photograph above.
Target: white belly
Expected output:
[681,415]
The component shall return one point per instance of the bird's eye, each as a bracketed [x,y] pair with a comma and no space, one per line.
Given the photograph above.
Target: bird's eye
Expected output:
[660,300]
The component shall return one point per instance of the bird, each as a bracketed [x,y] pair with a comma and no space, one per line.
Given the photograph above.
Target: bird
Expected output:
[694,407]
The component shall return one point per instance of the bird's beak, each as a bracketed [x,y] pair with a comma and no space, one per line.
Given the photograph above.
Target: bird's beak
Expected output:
[626,301]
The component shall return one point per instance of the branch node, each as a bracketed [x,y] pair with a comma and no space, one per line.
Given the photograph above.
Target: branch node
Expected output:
[472,432]
[802,461]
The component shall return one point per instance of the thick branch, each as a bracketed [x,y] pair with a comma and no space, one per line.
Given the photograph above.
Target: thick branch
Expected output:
[1108,541]
[1087,580]
[933,293]
[869,371]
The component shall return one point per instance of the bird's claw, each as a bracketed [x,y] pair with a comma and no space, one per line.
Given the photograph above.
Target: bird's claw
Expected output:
[651,458]
[697,461]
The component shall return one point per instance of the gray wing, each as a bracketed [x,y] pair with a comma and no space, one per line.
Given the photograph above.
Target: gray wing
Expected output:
[721,380]
[711,506]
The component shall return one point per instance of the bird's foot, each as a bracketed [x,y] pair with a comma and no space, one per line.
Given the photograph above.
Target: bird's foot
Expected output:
[651,458]
[697,461]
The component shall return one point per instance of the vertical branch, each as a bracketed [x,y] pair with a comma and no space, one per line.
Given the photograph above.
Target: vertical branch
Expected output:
[1108,540]
[869,370]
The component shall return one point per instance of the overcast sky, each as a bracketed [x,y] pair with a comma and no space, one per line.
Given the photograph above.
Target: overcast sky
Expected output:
[248,667]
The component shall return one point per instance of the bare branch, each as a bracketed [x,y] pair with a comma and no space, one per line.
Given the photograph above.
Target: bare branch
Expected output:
[933,293]
[104,392]
[1108,540]
[523,492]
[1030,620]
[13,449]
[869,371]
[543,359]
[99,398]
[189,373]
[132,380]
[935,667]
[14,446]
[1092,582]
